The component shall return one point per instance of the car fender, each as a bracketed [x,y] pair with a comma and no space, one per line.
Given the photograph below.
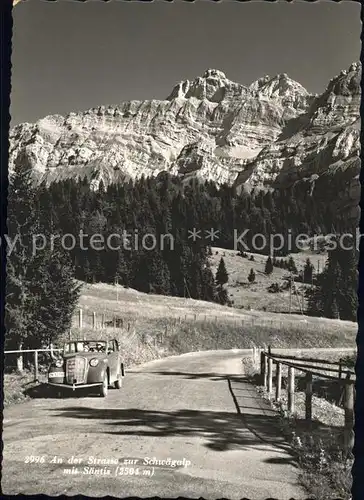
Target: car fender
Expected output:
[97,373]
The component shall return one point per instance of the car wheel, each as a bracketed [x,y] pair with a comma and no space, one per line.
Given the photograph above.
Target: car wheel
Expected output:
[104,387]
[118,382]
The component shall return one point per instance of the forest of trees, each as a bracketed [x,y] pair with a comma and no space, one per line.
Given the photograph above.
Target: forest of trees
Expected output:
[41,291]
[167,205]
[335,292]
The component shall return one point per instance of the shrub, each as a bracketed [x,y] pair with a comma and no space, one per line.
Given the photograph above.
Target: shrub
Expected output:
[275,288]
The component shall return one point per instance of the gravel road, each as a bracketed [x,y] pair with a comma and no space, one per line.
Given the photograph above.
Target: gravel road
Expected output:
[195,409]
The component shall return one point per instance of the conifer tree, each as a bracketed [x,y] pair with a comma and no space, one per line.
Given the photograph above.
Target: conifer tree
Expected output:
[21,224]
[222,276]
[221,279]
[291,266]
[158,274]
[41,292]
[334,294]
[54,294]
[222,296]
[347,284]
[251,276]
[208,284]
[308,272]
[268,266]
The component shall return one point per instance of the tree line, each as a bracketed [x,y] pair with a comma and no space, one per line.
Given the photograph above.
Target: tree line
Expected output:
[42,289]
[335,292]
[166,204]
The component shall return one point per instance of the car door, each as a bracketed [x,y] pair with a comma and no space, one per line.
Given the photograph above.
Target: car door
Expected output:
[119,361]
[112,360]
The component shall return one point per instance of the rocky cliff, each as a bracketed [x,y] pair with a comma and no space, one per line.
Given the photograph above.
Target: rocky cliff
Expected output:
[270,134]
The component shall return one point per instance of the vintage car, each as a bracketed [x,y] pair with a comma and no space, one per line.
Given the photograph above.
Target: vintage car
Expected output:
[87,364]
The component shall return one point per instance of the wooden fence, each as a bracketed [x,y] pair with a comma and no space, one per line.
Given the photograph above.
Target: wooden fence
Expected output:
[90,319]
[86,318]
[35,352]
[340,374]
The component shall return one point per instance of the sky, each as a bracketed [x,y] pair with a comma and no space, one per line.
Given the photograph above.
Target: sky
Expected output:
[71,56]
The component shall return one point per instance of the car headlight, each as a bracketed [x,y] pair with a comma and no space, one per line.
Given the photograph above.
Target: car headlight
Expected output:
[59,363]
[94,362]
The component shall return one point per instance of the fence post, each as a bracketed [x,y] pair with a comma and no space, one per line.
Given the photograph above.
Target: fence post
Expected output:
[262,363]
[262,367]
[349,414]
[270,376]
[340,368]
[265,381]
[114,322]
[308,397]
[80,318]
[94,320]
[278,381]
[103,320]
[290,389]
[35,366]
[19,360]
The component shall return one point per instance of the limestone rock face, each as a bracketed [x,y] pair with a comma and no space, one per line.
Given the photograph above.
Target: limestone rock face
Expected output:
[321,147]
[268,135]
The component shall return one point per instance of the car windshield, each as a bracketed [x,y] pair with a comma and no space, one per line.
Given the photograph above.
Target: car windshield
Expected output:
[85,346]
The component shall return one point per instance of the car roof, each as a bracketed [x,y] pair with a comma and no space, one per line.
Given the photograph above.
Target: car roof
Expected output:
[89,340]
[85,340]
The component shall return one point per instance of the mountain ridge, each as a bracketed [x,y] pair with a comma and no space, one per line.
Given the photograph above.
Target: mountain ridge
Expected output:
[269,134]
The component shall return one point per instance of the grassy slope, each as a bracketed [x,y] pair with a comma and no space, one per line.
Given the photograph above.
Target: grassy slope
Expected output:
[256,295]
[15,385]
[186,324]
[251,297]
[155,326]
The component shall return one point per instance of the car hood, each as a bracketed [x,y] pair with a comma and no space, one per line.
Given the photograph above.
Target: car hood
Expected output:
[88,355]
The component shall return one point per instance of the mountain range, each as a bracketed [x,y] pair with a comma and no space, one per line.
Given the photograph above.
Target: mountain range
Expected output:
[271,134]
